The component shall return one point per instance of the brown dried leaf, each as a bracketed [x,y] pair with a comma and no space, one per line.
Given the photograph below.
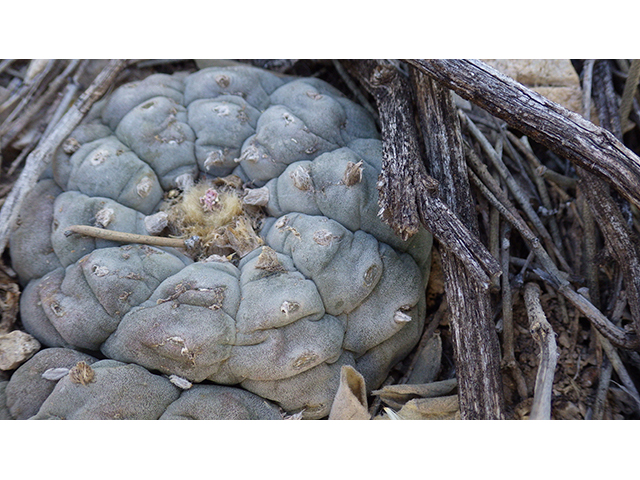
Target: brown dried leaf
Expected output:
[407,392]
[439,408]
[350,402]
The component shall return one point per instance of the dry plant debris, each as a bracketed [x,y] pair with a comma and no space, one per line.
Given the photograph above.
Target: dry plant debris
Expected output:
[537,213]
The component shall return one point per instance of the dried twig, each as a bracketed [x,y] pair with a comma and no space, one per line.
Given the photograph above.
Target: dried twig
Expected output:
[590,146]
[124,237]
[515,189]
[542,189]
[620,369]
[587,74]
[4,64]
[508,351]
[544,336]
[426,336]
[617,235]
[355,90]
[26,91]
[38,160]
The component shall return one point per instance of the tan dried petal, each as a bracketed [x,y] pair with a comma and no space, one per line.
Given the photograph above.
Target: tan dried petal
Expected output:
[156,223]
[180,382]
[401,317]
[258,197]
[55,374]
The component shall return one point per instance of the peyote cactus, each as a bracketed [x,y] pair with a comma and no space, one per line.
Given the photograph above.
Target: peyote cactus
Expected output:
[286,274]
[62,383]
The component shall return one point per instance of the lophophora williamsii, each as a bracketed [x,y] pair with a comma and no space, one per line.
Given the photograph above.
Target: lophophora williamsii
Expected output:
[277,271]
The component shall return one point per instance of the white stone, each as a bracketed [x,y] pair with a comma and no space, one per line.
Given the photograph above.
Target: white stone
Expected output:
[16,348]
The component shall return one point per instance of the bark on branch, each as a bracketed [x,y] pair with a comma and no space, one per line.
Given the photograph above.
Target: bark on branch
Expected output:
[407,195]
[545,338]
[474,336]
[564,132]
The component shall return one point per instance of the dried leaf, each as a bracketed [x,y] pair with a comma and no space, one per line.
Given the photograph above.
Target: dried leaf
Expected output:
[350,402]
[400,394]
[427,362]
[391,414]
[180,382]
[439,408]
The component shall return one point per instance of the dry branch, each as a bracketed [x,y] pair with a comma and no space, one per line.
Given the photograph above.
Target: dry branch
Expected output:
[408,197]
[10,131]
[476,346]
[508,350]
[564,132]
[545,338]
[125,237]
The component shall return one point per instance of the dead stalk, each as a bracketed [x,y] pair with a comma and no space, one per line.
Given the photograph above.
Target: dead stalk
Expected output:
[630,87]
[544,336]
[508,353]
[124,237]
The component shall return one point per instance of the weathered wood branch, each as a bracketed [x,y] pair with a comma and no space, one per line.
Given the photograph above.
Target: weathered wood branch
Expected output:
[408,197]
[563,132]
[544,336]
[475,340]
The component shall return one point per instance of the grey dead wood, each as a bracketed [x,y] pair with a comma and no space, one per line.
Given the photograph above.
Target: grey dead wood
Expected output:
[515,189]
[618,237]
[544,336]
[409,196]
[508,348]
[39,159]
[476,345]
[563,132]
[11,131]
